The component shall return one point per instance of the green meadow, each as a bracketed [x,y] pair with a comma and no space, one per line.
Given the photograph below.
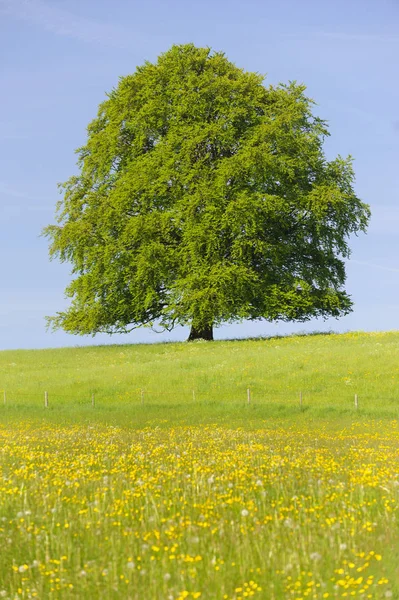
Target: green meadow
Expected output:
[189,383]
[173,486]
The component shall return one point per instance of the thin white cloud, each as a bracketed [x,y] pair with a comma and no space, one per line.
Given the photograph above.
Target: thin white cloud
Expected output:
[24,202]
[381,124]
[10,130]
[12,136]
[62,22]
[384,219]
[26,307]
[358,37]
[6,190]
[374,266]
[367,38]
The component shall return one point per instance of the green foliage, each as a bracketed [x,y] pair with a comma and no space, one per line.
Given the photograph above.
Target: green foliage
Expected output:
[204,197]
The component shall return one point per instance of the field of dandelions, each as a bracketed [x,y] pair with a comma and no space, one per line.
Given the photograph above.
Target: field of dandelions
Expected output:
[199,512]
[202,497]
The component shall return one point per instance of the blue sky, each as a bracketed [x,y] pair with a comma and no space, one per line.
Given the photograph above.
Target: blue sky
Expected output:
[60,57]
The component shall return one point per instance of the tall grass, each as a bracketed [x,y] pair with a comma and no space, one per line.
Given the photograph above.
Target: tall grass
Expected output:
[202,495]
[199,512]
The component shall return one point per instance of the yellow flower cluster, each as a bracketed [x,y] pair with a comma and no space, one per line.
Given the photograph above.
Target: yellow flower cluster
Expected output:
[198,512]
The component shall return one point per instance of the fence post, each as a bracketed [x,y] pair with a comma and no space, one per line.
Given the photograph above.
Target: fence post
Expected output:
[5,397]
[356,402]
[92,399]
[248,396]
[300,400]
[45,399]
[193,395]
[142,396]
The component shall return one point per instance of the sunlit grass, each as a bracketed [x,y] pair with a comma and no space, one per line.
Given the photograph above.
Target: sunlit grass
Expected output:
[173,494]
[199,512]
[327,369]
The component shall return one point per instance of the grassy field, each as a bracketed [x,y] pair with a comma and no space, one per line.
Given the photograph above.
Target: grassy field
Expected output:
[202,496]
[193,382]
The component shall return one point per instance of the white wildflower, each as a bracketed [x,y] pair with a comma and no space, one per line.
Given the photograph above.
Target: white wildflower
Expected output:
[288,522]
[315,556]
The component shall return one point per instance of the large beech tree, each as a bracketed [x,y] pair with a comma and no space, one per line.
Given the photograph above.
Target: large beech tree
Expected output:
[204,197]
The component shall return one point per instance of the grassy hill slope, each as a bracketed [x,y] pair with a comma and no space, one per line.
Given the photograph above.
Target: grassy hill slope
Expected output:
[327,369]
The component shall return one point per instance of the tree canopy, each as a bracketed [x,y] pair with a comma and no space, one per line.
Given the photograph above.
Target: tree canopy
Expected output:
[202,197]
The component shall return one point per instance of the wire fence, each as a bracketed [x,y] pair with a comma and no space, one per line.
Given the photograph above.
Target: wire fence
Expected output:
[191,396]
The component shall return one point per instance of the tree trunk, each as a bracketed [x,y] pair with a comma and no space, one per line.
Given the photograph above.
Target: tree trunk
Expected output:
[204,332]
